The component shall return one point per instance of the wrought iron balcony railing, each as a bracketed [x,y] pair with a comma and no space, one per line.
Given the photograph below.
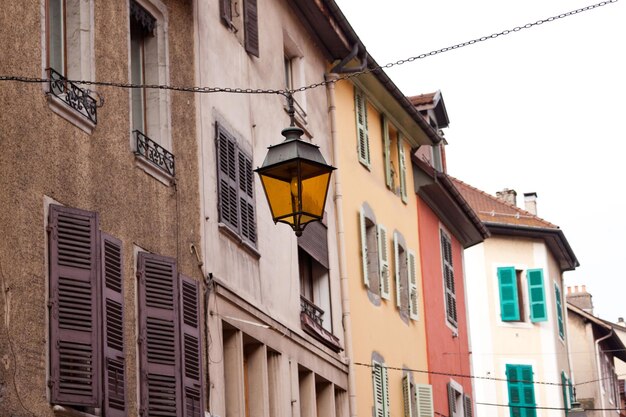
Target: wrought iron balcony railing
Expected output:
[154,153]
[74,96]
[314,312]
[311,318]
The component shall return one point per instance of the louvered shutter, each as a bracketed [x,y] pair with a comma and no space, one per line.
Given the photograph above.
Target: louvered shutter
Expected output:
[536,295]
[564,390]
[521,390]
[366,279]
[387,153]
[412,271]
[509,307]
[159,344]
[402,168]
[528,390]
[251,27]
[227,178]
[191,325]
[75,354]
[383,262]
[406,395]
[363,145]
[448,276]
[246,199]
[559,310]
[379,390]
[226,12]
[424,397]
[113,315]
[387,412]
[467,406]
[451,400]
[396,255]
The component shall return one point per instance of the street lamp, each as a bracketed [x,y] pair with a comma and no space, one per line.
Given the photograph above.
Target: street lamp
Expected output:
[295,179]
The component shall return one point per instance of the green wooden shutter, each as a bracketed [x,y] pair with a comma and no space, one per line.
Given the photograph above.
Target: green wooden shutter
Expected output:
[412,271]
[559,310]
[387,153]
[509,302]
[379,389]
[366,279]
[564,386]
[406,395]
[363,145]
[536,295]
[383,263]
[402,167]
[521,390]
[396,255]
[424,398]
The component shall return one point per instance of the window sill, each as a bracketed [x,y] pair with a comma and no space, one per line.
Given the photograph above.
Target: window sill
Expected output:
[226,230]
[62,411]
[61,108]
[149,168]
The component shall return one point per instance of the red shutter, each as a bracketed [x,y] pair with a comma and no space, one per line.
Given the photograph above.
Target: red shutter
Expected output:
[191,325]
[113,329]
[251,27]
[74,300]
[159,344]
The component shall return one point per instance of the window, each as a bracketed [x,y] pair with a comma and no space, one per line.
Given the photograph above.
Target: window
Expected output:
[380,382]
[448,278]
[87,346]
[406,277]
[521,390]
[293,64]
[148,65]
[231,16]
[609,383]
[512,306]
[374,254]
[456,401]
[236,203]
[418,398]
[363,145]
[559,311]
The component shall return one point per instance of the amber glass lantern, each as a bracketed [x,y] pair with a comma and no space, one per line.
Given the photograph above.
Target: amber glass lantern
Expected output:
[295,179]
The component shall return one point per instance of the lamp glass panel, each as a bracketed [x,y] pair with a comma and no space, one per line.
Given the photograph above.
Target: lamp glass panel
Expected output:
[279,197]
[314,194]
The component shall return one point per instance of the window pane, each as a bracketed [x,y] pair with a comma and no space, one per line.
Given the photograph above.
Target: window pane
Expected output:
[137,77]
[56,36]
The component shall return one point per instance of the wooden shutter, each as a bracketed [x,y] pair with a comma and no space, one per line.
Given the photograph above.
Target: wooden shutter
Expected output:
[226,12]
[536,295]
[564,384]
[528,390]
[75,354]
[251,27]
[451,400]
[467,406]
[383,263]
[402,168]
[406,395]
[424,397]
[159,344]
[559,310]
[362,222]
[227,178]
[387,412]
[363,145]
[387,152]
[191,325]
[412,271]
[246,199]
[379,390]
[113,315]
[396,255]
[509,305]
[448,277]
[521,390]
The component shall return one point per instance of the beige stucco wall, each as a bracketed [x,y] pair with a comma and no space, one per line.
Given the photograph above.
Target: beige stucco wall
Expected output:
[45,158]
[377,328]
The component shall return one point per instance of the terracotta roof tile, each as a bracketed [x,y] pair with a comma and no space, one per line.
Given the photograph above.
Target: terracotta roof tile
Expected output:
[422,99]
[491,209]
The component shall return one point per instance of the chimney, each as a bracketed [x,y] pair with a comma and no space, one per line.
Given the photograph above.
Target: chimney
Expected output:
[530,202]
[620,321]
[578,296]
[510,196]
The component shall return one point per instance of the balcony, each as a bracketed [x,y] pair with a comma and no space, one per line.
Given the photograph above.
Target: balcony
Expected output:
[311,318]
[154,153]
[72,95]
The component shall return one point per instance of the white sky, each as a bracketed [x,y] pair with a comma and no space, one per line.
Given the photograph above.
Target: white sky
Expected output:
[538,110]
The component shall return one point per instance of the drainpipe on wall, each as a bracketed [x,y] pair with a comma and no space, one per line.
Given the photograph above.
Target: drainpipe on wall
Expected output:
[343,267]
[599,365]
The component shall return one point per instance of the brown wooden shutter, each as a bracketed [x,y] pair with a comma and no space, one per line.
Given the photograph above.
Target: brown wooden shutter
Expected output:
[246,199]
[159,344]
[113,334]
[226,12]
[314,241]
[191,325]
[75,355]
[251,27]
[227,178]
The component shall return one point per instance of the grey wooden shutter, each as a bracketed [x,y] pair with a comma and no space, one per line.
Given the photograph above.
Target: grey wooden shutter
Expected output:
[387,153]
[396,255]
[364,261]
[424,397]
[246,199]
[406,396]
[451,400]
[379,389]
[75,354]
[383,263]
[448,277]
[402,169]
[251,27]
[363,145]
[227,179]
[226,12]
[413,295]
[467,406]
[113,334]
[159,344]
[191,325]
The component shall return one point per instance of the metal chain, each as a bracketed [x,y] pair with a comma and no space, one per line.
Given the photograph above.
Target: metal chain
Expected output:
[287,92]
